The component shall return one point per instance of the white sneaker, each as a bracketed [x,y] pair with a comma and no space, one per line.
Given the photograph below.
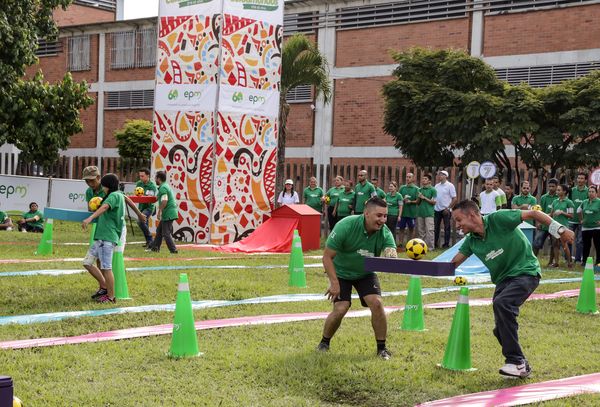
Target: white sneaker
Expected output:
[515,371]
[9,229]
[24,231]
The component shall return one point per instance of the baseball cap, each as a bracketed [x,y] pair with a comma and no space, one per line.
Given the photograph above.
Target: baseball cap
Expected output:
[90,172]
[443,172]
[289,181]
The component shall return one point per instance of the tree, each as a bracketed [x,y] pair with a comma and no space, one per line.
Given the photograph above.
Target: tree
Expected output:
[445,104]
[301,64]
[134,140]
[37,117]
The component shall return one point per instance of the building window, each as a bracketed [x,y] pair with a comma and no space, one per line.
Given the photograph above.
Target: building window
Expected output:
[130,99]
[307,23]
[133,49]
[506,6]
[79,53]
[103,4]
[545,75]
[300,94]
[48,48]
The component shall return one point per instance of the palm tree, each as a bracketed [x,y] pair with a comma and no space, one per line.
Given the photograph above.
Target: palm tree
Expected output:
[301,64]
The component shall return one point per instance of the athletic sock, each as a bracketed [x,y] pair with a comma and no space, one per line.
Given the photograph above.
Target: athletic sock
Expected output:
[380,345]
[325,340]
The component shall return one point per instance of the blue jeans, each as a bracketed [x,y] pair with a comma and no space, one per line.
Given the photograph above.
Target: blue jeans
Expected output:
[576,228]
[144,225]
[101,250]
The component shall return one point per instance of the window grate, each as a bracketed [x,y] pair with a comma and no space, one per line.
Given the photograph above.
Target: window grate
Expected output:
[300,94]
[48,49]
[545,75]
[307,23]
[130,99]
[505,6]
[103,4]
[79,53]
[133,49]
[398,12]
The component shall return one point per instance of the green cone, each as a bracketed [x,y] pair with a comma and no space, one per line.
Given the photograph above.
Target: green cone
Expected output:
[92,233]
[118,268]
[413,311]
[296,266]
[458,349]
[45,246]
[184,342]
[586,303]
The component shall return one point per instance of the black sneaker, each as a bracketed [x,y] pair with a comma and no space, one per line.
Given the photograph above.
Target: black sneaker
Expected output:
[99,293]
[322,347]
[175,252]
[384,354]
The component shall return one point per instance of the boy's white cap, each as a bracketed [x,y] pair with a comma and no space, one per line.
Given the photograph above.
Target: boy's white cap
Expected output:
[289,181]
[444,172]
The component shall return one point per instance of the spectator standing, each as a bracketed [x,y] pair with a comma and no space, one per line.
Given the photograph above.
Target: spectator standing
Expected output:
[446,199]
[503,201]
[510,194]
[395,202]
[345,202]
[148,209]
[589,216]
[562,211]
[409,192]
[166,214]
[288,196]
[312,195]
[333,193]
[489,200]
[542,230]
[427,198]
[380,192]
[364,190]
[524,200]
[579,194]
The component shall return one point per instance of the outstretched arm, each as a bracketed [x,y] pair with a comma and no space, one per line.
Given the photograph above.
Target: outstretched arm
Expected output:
[556,229]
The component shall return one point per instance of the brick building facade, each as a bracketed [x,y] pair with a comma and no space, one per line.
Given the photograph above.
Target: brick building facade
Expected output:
[538,41]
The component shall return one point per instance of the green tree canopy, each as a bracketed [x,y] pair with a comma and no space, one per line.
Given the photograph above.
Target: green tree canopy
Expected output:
[445,104]
[134,140]
[39,118]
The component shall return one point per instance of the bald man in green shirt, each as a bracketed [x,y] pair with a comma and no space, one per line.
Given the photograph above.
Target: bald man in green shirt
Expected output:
[352,239]
[503,248]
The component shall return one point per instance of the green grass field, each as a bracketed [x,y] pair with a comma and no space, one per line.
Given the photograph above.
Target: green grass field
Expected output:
[268,365]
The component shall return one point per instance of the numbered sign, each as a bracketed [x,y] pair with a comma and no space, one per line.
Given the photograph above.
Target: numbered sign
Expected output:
[487,169]
[595,177]
[473,169]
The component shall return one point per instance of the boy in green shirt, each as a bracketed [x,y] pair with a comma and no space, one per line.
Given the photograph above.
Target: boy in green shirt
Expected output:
[426,201]
[352,239]
[409,192]
[5,222]
[146,208]
[499,243]
[167,213]
[312,195]
[562,211]
[331,196]
[541,233]
[33,221]
[107,236]
[579,194]
[345,202]
[524,201]
[364,190]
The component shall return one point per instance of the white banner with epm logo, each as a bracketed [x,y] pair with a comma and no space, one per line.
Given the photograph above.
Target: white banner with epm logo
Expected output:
[237,99]
[68,194]
[16,193]
[185,97]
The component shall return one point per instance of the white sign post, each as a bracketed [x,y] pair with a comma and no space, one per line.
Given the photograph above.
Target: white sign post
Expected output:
[487,169]
[595,177]
[472,174]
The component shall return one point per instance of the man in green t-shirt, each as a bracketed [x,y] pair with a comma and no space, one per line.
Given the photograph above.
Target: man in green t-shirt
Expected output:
[524,200]
[579,193]
[345,202]
[312,195]
[541,233]
[364,190]
[330,199]
[503,248]
[352,239]
[378,191]
[409,192]
[5,222]
[33,220]
[426,201]
[147,209]
[167,213]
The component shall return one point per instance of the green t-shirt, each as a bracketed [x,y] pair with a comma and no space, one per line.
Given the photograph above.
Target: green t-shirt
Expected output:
[524,200]
[333,194]
[3,217]
[345,203]
[170,211]
[504,249]
[591,213]
[38,223]
[564,205]
[350,240]
[546,204]
[410,191]
[363,194]
[578,196]
[380,193]
[110,223]
[312,198]
[424,208]
[394,203]
[150,189]
[90,193]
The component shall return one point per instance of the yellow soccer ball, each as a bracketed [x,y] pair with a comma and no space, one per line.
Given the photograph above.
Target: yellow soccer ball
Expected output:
[327,200]
[139,191]
[416,249]
[536,208]
[95,203]
[17,402]
[460,280]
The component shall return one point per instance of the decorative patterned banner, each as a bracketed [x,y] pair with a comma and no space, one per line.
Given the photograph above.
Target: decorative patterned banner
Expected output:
[185,103]
[246,143]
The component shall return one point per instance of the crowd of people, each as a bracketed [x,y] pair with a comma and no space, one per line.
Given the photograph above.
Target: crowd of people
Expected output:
[420,210]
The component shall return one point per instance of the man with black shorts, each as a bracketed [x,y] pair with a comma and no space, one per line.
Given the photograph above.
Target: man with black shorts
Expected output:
[352,239]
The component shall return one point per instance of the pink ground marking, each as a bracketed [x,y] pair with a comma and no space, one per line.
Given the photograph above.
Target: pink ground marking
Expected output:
[529,393]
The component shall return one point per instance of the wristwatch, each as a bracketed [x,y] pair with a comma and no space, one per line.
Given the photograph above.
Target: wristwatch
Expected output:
[561,229]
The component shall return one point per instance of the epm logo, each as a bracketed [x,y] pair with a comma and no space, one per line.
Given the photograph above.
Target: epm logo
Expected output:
[238,97]
[8,190]
[173,94]
[74,196]
[261,5]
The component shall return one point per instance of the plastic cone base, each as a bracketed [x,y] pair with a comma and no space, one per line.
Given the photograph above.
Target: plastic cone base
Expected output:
[456,370]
